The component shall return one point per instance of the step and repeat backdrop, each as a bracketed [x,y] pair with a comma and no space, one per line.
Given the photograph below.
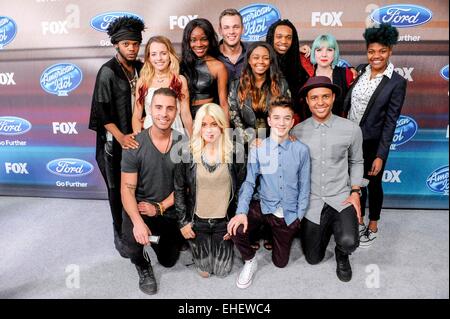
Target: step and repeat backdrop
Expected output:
[51,51]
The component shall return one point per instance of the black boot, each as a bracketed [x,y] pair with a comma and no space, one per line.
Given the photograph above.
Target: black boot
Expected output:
[343,269]
[147,281]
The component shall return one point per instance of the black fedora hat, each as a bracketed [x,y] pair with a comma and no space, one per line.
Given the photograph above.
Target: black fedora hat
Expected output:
[319,82]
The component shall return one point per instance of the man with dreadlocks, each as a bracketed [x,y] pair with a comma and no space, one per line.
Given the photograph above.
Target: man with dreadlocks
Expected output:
[111,110]
[283,37]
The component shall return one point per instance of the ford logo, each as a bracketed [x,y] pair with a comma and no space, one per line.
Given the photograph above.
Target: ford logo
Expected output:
[405,130]
[257,19]
[60,79]
[438,180]
[343,63]
[402,15]
[11,125]
[69,167]
[444,72]
[101,22]
[8,30]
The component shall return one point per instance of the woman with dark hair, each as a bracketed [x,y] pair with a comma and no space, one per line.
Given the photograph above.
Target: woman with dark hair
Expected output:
[206,76]
[261,81]
[283,37]
[374,102]
[250,95]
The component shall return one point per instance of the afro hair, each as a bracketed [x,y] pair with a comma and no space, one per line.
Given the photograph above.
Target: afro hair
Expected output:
[126,22]
[383,33]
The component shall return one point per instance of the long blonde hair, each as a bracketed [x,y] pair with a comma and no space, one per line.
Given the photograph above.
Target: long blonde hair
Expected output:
[225,144]
[148,71]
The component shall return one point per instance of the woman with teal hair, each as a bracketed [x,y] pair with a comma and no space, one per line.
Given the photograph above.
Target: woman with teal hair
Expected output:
[325,59]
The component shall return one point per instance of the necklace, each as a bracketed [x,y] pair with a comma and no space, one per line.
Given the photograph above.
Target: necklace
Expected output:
[211,167]
[161,79]
[131,76]
[168,142]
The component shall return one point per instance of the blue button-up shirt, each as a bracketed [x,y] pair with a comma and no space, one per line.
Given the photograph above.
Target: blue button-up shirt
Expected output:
[284,171]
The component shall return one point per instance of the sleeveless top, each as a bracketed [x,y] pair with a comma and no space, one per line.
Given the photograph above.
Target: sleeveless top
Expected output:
[213,192]
[176,125]
[205,87]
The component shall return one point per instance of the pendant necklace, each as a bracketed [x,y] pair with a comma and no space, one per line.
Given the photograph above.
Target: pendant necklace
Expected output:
[167,146]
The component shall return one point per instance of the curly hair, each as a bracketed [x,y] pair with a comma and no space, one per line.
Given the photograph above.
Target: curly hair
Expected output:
[384,34]
[272,83]
[126,22]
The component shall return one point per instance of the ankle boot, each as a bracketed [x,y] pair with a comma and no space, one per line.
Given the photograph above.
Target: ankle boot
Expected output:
[147,281]
[343,268]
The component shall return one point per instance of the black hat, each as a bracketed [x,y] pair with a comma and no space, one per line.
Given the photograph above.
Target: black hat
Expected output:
[126,28]
[319,82]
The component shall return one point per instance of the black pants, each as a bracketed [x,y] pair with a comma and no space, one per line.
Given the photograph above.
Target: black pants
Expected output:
[375,188]
[112,179]
[168,248]
[211,253]
[315,238]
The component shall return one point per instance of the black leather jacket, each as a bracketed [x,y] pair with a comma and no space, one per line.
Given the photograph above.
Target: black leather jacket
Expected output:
[243,116]
[185,188]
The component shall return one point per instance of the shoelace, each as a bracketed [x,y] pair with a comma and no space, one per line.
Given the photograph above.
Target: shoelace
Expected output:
[146,253]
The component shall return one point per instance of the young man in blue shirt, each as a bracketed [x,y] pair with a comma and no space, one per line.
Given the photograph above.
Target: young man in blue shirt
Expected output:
[283,167]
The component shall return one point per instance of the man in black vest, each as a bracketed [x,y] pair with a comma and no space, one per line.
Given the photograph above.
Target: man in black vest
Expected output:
[111,110]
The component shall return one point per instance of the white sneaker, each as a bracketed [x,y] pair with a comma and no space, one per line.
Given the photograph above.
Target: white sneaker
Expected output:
[362,229]
[368,238]
[246,276]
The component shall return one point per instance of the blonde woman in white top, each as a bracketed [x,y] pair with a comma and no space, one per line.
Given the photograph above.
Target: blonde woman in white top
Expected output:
[161,69]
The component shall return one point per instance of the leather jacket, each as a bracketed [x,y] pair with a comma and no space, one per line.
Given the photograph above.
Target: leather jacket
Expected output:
[185,187]
[243,116]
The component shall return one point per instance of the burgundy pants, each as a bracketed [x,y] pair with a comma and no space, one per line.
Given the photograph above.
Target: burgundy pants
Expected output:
[283,235]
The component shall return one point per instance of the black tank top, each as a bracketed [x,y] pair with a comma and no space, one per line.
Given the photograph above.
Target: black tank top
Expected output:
[206,86]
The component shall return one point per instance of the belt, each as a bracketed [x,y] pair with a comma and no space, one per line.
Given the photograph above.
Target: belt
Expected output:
[210,221]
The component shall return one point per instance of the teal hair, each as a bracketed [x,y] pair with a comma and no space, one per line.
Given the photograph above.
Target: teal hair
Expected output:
[330,42]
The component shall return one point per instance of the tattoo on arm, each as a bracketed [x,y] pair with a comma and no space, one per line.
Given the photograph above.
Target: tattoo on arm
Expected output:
[130,186]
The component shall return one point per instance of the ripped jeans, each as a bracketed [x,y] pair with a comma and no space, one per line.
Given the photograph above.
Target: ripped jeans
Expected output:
[210,252]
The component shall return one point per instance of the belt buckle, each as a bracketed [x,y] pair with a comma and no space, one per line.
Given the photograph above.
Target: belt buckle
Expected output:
[210,221]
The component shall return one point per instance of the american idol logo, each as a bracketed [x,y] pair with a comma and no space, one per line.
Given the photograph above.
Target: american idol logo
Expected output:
[402,15]
[444,72]
[404,132]
[101,22]
[343,63]
[11,125]
[438,180]
[60,79]
[257,19]
[69,167]
[8,30]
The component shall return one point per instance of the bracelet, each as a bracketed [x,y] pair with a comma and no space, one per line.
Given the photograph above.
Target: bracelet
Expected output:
[163,209]
[356,191]
[157,208]
[160,209]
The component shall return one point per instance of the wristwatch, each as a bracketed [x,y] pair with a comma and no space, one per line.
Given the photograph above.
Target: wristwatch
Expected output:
[356,191]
